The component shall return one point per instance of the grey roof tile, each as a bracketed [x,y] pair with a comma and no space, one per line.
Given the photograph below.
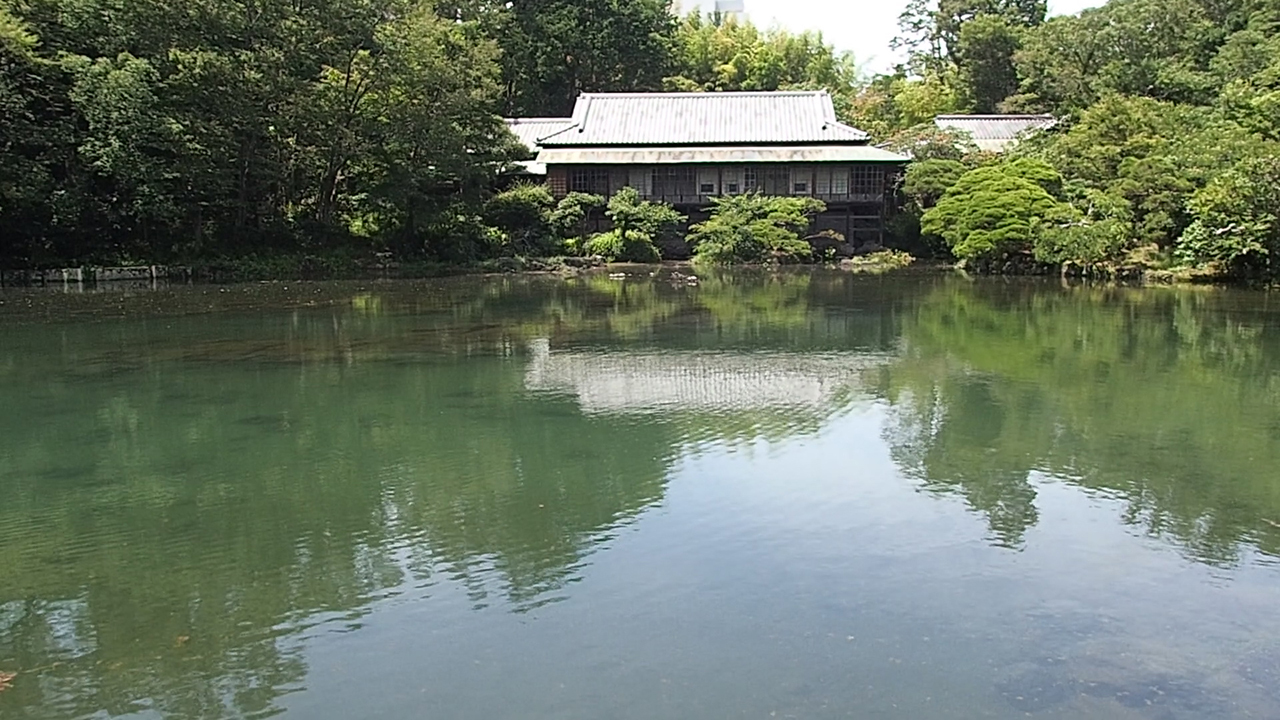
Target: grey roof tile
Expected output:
[994,133]
[530,130]
[685,119]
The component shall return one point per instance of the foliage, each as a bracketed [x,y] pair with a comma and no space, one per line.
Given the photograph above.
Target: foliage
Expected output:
[1151,155]
[926,181]
[716,54]
[755,229]
[891,104]
[985,52]
[1101,233]
[635,246]
[523,212]
[1237,219]
[631,214]
[133,132]
[636,223]
[555,49]
[878,262]
[570,217]
[997,210]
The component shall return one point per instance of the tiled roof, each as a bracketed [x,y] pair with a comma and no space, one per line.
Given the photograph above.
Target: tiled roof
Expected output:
[994,133]
[685,119]
[531,130]
[669,155]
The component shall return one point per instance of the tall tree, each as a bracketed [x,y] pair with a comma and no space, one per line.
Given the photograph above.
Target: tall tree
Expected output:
[717,54]
[930,29]
[552,50]
[986,46]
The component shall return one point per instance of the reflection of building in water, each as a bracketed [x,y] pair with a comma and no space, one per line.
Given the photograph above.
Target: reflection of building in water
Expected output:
[700,381]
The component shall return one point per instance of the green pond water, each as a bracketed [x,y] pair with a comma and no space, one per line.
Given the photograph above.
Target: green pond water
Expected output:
[787,495]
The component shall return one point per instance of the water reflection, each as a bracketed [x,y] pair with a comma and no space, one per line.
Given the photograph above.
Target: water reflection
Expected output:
[1169,399]
[189,500]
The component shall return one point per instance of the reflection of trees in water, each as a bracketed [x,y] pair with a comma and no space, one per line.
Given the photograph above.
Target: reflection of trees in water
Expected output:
[950,440]
[192,515]
[1169,397]
[199,488]
[231,478]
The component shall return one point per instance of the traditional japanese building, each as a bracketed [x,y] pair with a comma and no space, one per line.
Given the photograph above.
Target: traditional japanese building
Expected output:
[686,148]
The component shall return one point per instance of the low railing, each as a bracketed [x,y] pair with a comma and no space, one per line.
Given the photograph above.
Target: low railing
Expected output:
[705,199]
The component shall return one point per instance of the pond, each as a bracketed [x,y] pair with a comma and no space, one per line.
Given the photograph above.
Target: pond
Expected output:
[750,495]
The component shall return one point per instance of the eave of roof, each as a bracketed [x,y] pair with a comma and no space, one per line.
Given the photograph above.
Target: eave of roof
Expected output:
[731,154]
[531,130]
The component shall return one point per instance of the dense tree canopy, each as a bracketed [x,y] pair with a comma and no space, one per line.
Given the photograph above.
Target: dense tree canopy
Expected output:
[141,132]
[714,54]
[152,132]
[1162,104]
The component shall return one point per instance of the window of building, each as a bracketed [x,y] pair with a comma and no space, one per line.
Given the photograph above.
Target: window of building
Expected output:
[822,181]
[673,181]
[777,181]
[831,181]
[867,180]
[800,188]
[706,188]
[589,180]
[750,181]
[840,181]
[732,188]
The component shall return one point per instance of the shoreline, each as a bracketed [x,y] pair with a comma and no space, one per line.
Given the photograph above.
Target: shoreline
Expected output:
[311,269]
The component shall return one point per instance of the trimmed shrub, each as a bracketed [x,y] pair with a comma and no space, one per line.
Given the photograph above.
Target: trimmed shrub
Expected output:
[614,247]
[522,213]
[755,229]
[998,210]
[568,220]
[635,223]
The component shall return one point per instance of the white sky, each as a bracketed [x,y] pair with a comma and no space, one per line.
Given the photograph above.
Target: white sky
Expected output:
[862,26]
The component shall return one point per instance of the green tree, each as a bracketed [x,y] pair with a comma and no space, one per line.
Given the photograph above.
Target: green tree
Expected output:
[1155,48]
[1237,219]
[926,181]
[931,29]
[571,216]
[552,50]
[755,229]
[636,223]
[725,54]
[985,52]
[998,210]
[522,213]
[1150,154]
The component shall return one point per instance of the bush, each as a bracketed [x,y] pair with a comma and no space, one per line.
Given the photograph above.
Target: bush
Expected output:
[631,214]
[1101,235]
[635,223]
[522,214]
[926,181]
[457,236]
[1237,220]
[998,210]
[635,246]
[568,221]
[755,229]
